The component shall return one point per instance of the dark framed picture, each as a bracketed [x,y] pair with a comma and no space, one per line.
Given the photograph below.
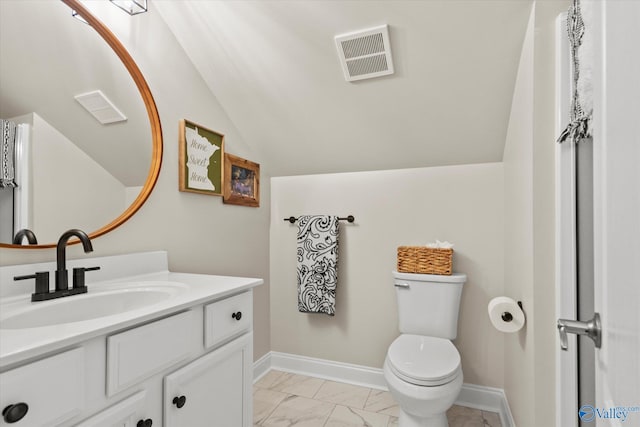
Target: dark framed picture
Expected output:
[201,158]
[241,181]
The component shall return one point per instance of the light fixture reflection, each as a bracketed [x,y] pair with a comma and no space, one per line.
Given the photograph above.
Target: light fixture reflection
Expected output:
[132,7]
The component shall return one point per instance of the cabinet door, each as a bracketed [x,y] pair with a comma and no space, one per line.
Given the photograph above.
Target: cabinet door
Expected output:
[214,390]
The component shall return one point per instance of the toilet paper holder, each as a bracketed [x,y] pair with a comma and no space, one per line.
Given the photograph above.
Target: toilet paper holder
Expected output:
[507,316]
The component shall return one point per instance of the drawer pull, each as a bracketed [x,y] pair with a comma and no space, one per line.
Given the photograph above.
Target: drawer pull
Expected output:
[14,413]
[145,423]
[179,401]
[237,315]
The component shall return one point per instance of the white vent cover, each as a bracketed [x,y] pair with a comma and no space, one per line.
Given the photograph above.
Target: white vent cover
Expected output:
[100,107]
[365,54]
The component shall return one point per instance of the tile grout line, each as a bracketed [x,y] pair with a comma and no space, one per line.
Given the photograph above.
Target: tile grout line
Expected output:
[274,409]
[367,399]
[329,416]
[318,390]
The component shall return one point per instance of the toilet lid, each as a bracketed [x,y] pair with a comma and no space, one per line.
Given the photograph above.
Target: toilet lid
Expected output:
[424,360]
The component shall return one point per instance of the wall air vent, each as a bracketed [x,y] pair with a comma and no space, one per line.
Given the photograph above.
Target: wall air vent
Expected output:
[100,107]
[365,54]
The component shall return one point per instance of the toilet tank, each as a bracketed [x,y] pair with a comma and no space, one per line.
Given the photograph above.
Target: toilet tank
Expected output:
[429,304]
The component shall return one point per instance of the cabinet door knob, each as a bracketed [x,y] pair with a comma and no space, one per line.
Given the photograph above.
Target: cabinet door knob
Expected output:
[179,401]
[237,315]
[145,423]
[14,413]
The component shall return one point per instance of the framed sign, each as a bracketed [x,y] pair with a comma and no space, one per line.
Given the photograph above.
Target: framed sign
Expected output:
[241,181]
[201,156]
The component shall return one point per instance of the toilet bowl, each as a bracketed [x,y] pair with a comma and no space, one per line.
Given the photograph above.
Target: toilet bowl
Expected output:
[422,368]
[424,376]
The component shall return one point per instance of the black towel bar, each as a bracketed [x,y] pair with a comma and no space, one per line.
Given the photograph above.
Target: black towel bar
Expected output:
[350,218]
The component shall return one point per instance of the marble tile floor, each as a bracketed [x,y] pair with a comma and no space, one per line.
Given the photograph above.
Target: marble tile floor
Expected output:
[283,399]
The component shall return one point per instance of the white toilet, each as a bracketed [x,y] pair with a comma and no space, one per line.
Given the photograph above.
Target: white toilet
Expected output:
[422,368]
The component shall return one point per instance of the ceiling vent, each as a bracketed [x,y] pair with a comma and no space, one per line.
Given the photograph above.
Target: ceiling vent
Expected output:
[100,107]
[365,54]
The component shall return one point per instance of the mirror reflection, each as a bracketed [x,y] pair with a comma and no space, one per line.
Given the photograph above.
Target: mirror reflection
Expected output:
[71,170]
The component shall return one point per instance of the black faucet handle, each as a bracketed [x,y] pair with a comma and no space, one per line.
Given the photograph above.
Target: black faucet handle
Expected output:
[21,234]
[78,276]
[42,281]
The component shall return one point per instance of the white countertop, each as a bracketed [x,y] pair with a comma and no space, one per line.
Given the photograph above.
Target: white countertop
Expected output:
[19,345]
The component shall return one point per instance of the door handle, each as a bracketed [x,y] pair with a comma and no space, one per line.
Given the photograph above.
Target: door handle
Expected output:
[591,328]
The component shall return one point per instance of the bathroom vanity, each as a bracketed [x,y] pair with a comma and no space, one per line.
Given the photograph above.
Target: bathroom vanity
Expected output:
[145,346]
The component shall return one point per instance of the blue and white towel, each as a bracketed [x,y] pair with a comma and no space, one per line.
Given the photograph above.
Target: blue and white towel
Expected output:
[317,263]
[7,147]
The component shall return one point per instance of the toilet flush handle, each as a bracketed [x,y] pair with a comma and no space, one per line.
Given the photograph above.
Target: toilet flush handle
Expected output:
[401,285]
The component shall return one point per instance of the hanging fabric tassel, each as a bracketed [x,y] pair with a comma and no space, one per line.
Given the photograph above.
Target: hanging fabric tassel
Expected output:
[7,156]
[579,127]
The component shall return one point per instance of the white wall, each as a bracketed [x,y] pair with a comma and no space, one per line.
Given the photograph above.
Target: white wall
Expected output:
[131,193]
[529,164]
[200,234]
[519,367]
[462,204]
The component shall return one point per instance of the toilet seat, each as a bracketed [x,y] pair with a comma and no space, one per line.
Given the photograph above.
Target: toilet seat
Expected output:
[422,360]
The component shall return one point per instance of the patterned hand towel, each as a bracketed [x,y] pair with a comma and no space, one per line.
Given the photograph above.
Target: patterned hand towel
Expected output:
[317,263]
[7,146]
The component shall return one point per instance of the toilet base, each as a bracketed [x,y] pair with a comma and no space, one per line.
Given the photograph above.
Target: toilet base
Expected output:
[408,420]
[422,406]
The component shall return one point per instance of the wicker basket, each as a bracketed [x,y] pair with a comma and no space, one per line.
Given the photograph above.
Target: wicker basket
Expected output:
[423,260]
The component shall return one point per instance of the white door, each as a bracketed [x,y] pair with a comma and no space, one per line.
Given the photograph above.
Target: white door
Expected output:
[617,211]
[616,222]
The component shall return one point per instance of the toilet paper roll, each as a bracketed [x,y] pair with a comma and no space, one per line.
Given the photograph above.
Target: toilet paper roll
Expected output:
[505,314]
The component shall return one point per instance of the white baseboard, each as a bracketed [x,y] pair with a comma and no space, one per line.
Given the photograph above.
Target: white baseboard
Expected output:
[486,399]
[329,370]
[261,367]
[471,395]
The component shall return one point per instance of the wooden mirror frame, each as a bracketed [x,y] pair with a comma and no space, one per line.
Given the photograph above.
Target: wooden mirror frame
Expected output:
[154,119]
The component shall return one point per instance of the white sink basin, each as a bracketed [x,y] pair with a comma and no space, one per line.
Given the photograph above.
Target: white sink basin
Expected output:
[107,300]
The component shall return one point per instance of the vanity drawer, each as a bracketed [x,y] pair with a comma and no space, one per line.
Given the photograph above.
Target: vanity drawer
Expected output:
[141,352]
[228,317]
[52,389]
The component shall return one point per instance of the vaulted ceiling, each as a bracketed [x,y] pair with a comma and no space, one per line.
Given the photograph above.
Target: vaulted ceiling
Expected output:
[274,68]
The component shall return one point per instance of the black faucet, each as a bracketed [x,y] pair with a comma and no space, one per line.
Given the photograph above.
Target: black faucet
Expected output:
[25,232]
[62,281]
[42,292]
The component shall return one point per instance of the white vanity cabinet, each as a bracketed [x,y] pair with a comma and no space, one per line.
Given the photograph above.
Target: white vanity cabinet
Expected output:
[189,368]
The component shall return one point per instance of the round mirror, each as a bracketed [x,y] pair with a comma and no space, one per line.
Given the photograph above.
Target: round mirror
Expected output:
[75,167]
